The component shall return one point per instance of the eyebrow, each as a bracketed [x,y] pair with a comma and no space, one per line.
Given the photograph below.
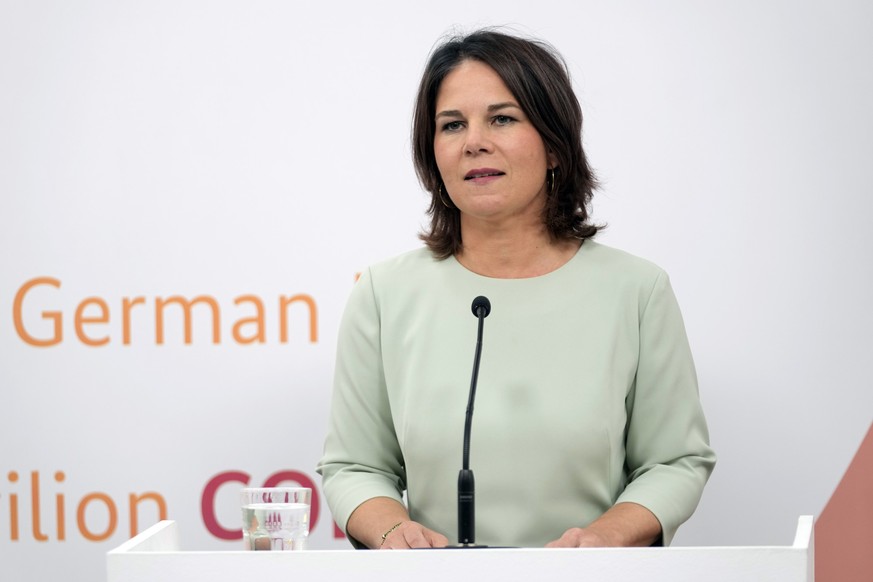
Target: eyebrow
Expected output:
[491,109]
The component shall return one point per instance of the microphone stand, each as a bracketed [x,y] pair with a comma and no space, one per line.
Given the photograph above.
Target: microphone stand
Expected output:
[466,483]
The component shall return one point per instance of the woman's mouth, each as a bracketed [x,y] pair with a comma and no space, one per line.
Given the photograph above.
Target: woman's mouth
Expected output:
[482,173]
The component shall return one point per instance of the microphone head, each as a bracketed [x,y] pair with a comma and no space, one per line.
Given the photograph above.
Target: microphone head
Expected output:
[482,303]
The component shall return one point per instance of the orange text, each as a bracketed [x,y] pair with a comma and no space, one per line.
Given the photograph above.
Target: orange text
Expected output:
[40,322]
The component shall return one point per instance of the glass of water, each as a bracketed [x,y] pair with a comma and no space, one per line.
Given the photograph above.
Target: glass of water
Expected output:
[275,518]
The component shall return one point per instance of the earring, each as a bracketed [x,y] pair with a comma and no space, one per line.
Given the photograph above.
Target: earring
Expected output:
[443,200]
[553,185]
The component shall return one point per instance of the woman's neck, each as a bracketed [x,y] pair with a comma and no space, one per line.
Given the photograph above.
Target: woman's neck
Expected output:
[514,254]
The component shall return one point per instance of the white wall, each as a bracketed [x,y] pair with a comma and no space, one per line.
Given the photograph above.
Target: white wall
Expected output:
[219,148]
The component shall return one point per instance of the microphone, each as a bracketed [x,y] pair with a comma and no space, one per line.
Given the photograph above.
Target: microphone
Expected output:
[466,486]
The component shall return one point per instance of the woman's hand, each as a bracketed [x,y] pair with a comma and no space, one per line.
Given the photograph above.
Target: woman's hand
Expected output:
[625,524]
[383,523]
[411,534]
[580,537]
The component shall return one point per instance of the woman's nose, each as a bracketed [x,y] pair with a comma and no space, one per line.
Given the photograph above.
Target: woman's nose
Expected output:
[477,140]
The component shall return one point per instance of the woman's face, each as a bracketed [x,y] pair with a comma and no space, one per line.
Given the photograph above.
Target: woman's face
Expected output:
[492,160]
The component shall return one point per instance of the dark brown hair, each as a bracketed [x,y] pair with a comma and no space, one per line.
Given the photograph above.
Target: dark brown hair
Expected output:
[537,77]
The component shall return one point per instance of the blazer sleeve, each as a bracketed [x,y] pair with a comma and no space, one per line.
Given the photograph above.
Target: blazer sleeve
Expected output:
[362,457]
[667,452]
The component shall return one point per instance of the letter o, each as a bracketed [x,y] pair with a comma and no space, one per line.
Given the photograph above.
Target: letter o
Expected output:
[304,481]
[80,516]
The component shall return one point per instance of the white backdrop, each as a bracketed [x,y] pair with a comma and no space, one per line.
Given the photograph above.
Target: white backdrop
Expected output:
[260,150]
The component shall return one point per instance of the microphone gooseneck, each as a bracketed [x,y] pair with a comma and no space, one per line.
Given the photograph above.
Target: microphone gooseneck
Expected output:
[466,486]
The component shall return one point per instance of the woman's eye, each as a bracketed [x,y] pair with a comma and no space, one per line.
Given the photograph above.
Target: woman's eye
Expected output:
[502,119]
[452,126]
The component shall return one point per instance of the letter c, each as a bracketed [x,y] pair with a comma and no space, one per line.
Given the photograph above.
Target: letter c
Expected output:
[207,504]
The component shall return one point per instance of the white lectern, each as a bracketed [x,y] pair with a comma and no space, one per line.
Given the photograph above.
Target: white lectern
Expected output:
[154,556]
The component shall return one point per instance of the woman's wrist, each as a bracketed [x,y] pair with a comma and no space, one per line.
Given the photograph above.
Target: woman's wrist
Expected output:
[389,532]
[627,524]
[373,518]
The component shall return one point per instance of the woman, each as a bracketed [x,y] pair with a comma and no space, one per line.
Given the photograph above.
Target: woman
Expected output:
[588,427]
